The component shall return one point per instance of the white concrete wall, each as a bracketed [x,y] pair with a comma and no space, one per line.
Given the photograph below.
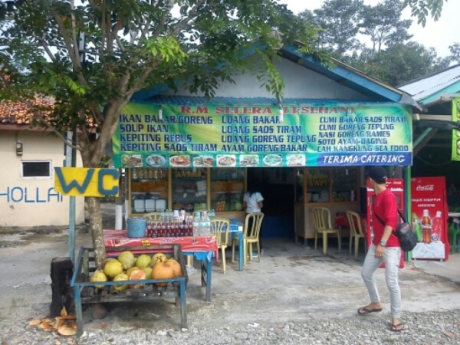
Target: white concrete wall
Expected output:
[29,201]
[300,82]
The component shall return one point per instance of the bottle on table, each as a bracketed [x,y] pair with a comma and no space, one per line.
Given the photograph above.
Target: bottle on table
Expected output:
[196,224]
[205,224]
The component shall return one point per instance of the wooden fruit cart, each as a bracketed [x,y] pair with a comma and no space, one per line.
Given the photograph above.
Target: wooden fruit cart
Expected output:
[103,292]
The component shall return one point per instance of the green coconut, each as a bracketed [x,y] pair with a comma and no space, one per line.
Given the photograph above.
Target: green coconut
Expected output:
[112,268]
[98,276]
[143,261]
[120,277]
[127,259]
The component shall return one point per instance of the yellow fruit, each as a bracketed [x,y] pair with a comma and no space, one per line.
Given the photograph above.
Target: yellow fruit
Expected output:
[127,259]
[113,268]
[98,276]
[120,277]
[128,272]
[143,261]
[158,257]
[177,269]
[109,259]
[137,275]
[148,272]
[162,270]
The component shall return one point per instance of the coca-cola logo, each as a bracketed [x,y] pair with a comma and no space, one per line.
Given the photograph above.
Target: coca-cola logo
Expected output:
[427,188]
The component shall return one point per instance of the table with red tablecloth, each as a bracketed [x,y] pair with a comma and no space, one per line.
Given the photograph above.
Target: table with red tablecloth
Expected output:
[341,220]
[203,248]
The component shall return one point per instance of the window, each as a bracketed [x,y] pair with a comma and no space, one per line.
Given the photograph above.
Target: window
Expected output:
[36,169]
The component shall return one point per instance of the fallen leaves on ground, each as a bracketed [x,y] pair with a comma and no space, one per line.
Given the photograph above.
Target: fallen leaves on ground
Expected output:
[450,334]
[64,324]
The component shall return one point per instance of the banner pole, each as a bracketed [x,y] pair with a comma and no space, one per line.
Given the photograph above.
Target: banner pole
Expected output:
[408,200]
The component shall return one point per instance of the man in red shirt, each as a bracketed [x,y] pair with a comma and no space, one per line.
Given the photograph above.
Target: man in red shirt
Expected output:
[385,247]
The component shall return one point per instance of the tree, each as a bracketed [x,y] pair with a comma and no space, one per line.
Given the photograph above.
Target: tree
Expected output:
[131,45]
[390,57]
[400,63]
[383,25]
[339,24]
[424,8]
[455,52]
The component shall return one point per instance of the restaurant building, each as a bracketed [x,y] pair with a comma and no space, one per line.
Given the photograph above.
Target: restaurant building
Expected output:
[437,128]
[184,151]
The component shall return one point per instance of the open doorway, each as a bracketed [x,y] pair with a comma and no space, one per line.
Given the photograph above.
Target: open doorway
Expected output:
[278,187]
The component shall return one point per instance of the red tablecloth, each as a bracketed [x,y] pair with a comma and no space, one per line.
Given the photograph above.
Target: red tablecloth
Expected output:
[119,238]
[342,220]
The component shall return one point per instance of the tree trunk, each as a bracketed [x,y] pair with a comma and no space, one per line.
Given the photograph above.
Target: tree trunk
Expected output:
[95,224]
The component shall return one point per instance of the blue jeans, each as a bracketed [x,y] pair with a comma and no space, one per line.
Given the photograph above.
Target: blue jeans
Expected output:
[391,258]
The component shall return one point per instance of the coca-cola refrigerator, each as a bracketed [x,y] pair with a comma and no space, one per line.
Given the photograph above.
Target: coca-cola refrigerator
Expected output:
[396,186]
[429,218]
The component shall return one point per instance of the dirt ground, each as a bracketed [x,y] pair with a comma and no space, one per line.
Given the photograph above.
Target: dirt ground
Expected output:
[292,282]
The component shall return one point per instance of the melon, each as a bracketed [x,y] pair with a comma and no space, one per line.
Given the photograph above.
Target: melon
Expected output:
[113,268]
[120,277]
[143,261]
[98,276]
[127,259]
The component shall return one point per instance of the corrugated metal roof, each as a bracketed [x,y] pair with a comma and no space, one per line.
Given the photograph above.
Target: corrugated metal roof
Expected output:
[231,101]
[424,87]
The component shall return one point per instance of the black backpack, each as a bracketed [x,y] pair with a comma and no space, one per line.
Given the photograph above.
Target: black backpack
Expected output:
[407,237]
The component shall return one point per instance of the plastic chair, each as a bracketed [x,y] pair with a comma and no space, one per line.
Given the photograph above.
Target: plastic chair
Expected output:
[220,228]
[323,226]
[152,216]
[356,231]
[454,231]
[252,225]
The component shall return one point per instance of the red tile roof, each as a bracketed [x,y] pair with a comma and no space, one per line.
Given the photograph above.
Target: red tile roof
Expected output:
[20,113]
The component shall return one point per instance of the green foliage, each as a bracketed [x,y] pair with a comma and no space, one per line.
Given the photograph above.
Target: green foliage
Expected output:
[92,56]
[455,52]
[421,9]
[400,63]
[391,57]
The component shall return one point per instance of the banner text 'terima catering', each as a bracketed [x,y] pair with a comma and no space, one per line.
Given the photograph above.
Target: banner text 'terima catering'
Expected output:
[215,135]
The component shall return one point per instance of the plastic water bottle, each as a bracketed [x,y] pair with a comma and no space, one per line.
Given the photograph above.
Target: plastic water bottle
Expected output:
[205,224]
[196,225]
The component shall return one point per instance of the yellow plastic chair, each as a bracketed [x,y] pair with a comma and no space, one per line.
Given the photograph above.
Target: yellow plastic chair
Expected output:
[323,226]
[250,236]
[220,228]
[356,231]
[152,216]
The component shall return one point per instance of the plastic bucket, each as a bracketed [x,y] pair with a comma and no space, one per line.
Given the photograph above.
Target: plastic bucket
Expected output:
[136,227]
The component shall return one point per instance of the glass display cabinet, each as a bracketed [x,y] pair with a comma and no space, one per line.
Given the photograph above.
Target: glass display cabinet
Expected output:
[318,185]
[189,189]
[227,189]
[344,185]
[148,190]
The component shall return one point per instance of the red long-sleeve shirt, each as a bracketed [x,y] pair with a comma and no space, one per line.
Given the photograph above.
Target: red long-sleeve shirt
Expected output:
[386,207]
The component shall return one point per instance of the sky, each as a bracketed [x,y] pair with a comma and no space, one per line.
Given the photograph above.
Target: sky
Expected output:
[439,35]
